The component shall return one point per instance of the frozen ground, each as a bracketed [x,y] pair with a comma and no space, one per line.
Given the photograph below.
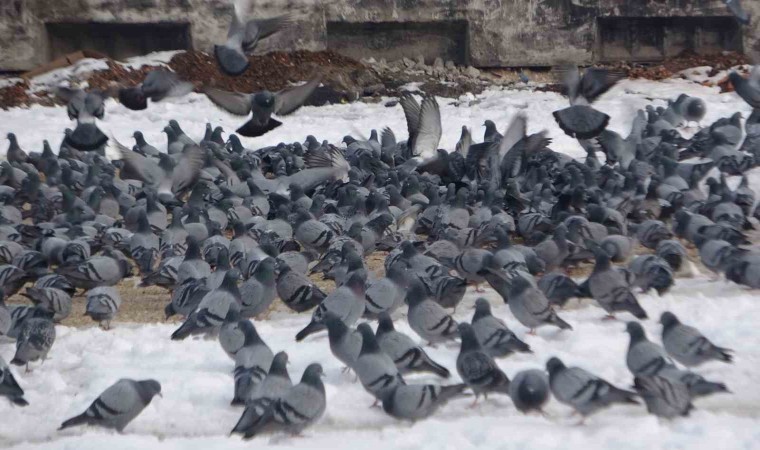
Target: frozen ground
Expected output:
[197,376]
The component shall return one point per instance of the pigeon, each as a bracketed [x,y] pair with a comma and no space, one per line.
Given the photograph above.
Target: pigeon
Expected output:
[476,368]
[243,36]
[236,334]
[531,307]
[496,339]
[296,290]
[297,409]
[583,391]
[697,385]
[186,297]
[346,303]
[9,387]
[84,107]
[386,294]
[405,353]
[118,405]
[345,343]
[52,299]
[581,120]
[664,397]
[276,384]
[96,271]
[644,356]
[375,369]
[687,345]
[673,252]
[652,272]
[529,390]
[558,287]
[252,363]
[213,309]
[6,320]
[259,291]
[102,305]
[735,7]
[262,105]
[609,287]
[427,318]
[36,338]
[415,402]
[157,85]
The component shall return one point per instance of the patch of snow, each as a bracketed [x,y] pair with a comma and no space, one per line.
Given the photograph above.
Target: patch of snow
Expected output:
[196,376]
[5,82]
[65,75]
[151,59]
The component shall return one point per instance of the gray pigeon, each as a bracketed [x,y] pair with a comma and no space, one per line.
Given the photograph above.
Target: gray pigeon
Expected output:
[609,287]
[664,397]
[259,291]
[415,402]
[345,343]
[6,321]
[276,384]
[529,390]
[213,309]
[673,252]
[740,13]
[157,85]
[531,307]
[186,297]
[9,387]
[118,405]
[581,120]
[408,356]
[36,338]
[375,369]
[652,272]
[427,318]
[143,245]
[252,363]
[236,334]
[698,385]
[262,105]
[492,333]
[243,35]
[644,356]
[476,368]
[687,345]
[296,290]
[298,408]
[346,302]
[102,305]
[583,391]
[96,271]
[52,299]
[558,287]
[386,294]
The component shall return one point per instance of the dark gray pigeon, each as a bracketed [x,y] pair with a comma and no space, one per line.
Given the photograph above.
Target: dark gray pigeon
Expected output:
[531,307]
[687,345]
[9,387]
[493,334]
[375,369]
[243,36]
[558,287]
[427,318]
[262,105]
[186,297]
[118,405]
[529,390]
[296,290]
[415,402]
[157,85]
[478,369]
[652,272]
[52,299]
[276,384]
[610,288]
[96,271]
[405,353]
[36,338]
[673,252]
[644,357]
[237,334]
[84,107]
[698,385]
[259,291]
[664,397]
[297,409]
[583,391]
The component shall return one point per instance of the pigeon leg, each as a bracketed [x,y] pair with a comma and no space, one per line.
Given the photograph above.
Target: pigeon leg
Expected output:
[532,332]
[478,288]
[475,402]
[609,317]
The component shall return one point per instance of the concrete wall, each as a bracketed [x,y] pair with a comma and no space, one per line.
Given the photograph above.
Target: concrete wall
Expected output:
[496,32]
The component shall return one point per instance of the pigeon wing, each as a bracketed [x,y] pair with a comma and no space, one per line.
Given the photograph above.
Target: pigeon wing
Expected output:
[233,102]
[289,100]
[429,132]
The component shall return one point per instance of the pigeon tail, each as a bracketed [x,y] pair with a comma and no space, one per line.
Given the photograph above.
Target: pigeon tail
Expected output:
[311,328]
[74,421]
[581,121]
[432,366]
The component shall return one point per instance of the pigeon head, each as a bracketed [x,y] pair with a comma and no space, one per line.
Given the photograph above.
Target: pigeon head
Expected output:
[416,293]
[469,340]
[518,285]
[147,389]
[407,247]
[336,328]
[279,364]
[264,270]
[264,99]
[668,319]
[312,376]
[384,323]
[356,284]
[482,309]
[398,274]
[554,365]
[636,331]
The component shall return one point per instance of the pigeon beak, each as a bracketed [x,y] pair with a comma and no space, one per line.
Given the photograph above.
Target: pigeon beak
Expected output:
[161,395]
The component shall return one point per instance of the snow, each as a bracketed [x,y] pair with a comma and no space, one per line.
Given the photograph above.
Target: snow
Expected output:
[197,376]
[151,59]
[75,72]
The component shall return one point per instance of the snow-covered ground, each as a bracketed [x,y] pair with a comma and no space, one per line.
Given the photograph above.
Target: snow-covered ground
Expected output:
[196,375]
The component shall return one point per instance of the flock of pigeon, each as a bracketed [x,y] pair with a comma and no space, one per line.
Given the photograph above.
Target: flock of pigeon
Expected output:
[227,231]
